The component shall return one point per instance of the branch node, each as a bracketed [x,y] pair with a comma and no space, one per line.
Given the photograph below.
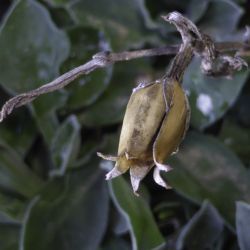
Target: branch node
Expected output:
[102,59]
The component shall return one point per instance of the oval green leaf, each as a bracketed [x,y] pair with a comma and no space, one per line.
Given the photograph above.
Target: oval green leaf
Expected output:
[143,229]
[202,231]
[242,224]
[210,97]
[71,213]
[205,169]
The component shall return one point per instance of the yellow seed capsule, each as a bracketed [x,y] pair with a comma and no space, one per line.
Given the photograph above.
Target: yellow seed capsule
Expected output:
[154,124]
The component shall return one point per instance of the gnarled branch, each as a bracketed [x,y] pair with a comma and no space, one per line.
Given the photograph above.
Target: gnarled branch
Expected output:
[104,59]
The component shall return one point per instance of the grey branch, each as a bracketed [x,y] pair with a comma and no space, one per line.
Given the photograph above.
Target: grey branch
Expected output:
[104,59]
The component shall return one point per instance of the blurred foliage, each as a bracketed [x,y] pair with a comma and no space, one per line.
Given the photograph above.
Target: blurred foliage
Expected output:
[52,189]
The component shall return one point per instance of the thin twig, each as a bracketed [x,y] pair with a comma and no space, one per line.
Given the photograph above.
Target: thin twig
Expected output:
[100,60]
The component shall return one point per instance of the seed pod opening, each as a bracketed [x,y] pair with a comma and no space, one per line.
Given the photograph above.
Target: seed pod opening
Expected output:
[154,124]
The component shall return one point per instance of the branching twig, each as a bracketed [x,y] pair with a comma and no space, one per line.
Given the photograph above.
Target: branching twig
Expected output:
[100,60]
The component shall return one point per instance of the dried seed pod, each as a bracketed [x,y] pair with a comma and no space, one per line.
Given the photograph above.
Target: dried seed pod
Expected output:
[157,115]
[154,124]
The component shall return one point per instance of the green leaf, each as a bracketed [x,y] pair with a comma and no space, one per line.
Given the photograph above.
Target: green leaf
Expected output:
[11,208]
[202,231]
[119,223]
[9,236]
[88,149]
[205,169]
[18,131]
[47,125]
[15,176]
[193,9]
[61,3]
[44,112]
[196,9]
[85,42]
[69,214]
[65,145]
[135,210]
[237,138]
[144,11]
[61,16]
[110,107]
[210,97]
[143,229]
[221,19]
[30,51]
[242,225]
[241,110]
[116,243]
[120,20]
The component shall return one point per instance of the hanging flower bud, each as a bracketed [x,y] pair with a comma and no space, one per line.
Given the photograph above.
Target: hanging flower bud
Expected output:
[154,124]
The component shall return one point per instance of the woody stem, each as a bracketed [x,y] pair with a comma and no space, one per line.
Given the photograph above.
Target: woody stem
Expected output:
[180,62]
[193,42]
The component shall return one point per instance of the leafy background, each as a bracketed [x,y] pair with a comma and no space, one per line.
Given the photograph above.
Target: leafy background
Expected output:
[52,189]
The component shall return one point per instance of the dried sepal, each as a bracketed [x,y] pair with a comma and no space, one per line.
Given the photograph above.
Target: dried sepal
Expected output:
[137,173]
[157,176]
[107,157]
[115,172]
